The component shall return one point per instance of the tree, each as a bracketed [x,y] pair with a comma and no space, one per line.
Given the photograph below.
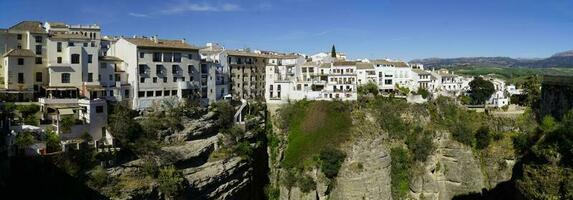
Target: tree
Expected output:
[52,141]
[24,139]
[425,94]
[225,113]
[171,182]
[548,124]
[331,161]
[122,125]
[481,90]
[333,52]
[483,137]
[532,90]
[369,88]
[66,124]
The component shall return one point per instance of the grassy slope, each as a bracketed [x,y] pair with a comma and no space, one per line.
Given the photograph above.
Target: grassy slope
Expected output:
[317,125]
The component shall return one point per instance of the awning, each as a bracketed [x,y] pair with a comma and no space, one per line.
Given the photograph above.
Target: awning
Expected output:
[61,69]
[94,87]
[66,111]
[62,88]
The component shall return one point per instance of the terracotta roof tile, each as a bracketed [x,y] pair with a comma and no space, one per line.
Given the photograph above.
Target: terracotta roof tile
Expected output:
[32,26]
[19,53]
[163,44]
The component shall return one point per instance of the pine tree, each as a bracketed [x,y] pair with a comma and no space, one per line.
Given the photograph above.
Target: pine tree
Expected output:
[333,52]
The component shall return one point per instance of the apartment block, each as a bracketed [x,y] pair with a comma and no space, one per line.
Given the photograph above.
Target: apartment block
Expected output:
[158,69]
[23,68]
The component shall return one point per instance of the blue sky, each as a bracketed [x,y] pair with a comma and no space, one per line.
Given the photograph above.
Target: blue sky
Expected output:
[402,29]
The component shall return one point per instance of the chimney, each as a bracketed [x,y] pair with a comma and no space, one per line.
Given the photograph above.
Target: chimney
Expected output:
[183,40]
[154,38]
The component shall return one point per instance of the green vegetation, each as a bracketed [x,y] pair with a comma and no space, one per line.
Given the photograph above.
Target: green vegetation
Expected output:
[399,172]
[420,144]
[171,182]
[66,124]
[98,177]
[425,93]
[547,162]
[331,161]
[52,141]
[483,138]
[514,75]
[24,139]
[481,90]
[312,127]
[306,184]
[369,88]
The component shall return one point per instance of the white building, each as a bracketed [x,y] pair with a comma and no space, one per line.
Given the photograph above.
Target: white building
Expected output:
[158,69]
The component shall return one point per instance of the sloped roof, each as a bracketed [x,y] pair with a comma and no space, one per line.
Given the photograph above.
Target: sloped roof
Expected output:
[31,26]
[344,63]
[284,56]
[312,64]
[161,43]
[385,62]
[420,72]
[361,65]
[244,53]
[110,58]
[19,53]
[325,65]
[64,36]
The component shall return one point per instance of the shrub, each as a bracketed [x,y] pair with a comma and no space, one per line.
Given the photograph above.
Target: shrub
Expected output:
[369,88]
[272,193]
[425,94]
[66,124]
[330,162]
[548,124]
[225,114]
[244,149]
[98,177]
[306,184]
[399,172]
[171,182]
[24,139]
[421,145]
[52,141]
[483,138]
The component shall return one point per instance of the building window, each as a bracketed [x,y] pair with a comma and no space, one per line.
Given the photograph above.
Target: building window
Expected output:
[38,60]
[20,77]
[167,57]
[110,77]
[85,44]
[174,79]
[59,60]
[183,79]
[140,94]
[141,54]
[99,77]
[166,93]
[158,93]
[75,58]
[165,79]
[190,69]
[90,57]
[59,48]
[149,93]
[90,77]
[71,44]
[117,77]
[103,65]
[174,92]
[159,69]
[92,44]
[126,93]
[38,76]
[175,69]
[111,93]
[204,69]
[191,56]
[154,79]
[156,57]
[177,57]
[388,81]
[38,49]
[66,77]
[142,80]
[20,61]
[19,36]
[99,109]
[38,39]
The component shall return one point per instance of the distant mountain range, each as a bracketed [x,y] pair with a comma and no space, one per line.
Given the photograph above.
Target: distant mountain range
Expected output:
[563,59]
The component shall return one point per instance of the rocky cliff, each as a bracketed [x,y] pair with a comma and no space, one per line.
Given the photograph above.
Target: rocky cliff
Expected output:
[210,169]
[451,169]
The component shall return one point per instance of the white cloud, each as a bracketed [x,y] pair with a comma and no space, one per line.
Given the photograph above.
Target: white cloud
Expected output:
[137,15]
[188,6]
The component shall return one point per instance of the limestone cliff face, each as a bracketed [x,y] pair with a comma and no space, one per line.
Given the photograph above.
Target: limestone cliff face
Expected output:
[189,151]
[452,169]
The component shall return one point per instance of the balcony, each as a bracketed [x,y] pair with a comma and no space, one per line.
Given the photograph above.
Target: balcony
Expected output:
[57,101]
[184,85]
